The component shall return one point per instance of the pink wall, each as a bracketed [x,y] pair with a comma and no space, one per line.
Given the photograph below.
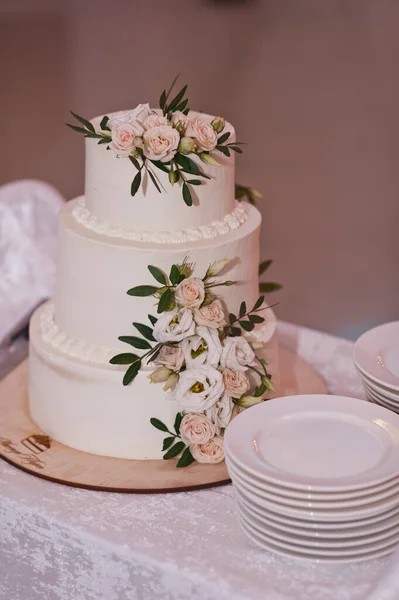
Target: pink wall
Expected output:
[313,87]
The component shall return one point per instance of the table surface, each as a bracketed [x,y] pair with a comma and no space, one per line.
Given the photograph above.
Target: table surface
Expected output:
[70,544]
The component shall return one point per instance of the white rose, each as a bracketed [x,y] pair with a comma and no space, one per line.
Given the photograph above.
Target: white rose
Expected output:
[190,292]
[180,120]
[221,413]
[160,143]
[140,113]
[204,134]
[203,348]
[171,357]
[198,389]
[196,428]
[236,383]
[212,452]
[123,135]
[154,120]
[211,315]
[174,325]
[236,354]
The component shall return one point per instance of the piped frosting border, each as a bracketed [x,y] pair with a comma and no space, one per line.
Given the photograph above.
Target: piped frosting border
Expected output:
[231,221]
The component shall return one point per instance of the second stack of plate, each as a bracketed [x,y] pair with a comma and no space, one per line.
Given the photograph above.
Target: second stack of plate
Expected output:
[317,477]
[376,357]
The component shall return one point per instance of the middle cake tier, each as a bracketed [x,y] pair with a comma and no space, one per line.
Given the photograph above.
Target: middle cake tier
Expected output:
[95,271]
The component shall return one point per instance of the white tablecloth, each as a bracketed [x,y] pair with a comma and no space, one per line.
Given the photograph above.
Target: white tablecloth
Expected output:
[69,544]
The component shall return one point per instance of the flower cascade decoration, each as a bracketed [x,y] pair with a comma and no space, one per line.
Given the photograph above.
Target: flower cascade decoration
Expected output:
[153,141]
[201,356]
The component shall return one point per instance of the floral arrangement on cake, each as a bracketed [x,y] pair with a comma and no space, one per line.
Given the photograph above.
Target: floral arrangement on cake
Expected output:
[200,354]
[164,139]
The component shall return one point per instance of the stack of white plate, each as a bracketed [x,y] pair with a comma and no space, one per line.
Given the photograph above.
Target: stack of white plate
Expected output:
[317,476]
[376,356]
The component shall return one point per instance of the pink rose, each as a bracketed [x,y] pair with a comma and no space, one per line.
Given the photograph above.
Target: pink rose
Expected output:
[196,428]
[154,120]
[211,315]
[211,452]
[236,383]
[180,120]
[171,357]
[190,292]
[204,134]
[160,143]
[123,134]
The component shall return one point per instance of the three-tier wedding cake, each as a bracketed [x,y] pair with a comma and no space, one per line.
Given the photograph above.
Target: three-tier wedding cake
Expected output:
[157,329]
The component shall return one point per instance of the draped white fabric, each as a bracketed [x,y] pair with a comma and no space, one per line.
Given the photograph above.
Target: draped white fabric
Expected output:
[69,544]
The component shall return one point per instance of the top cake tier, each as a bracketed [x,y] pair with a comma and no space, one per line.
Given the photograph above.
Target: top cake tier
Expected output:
[109,179]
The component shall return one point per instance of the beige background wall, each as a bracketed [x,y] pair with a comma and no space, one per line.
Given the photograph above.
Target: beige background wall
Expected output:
[312,86]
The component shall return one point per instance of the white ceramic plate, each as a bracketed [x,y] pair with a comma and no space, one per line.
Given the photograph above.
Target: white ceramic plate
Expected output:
[319,541]
[376,353]
[382,389]
[373,397]
[260,490]
[377,394]
[276,548]
[316,442]
[286,492]
[298,528]
[350,514]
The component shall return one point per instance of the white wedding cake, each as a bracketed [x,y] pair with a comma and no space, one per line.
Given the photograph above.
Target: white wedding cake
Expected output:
[159,220]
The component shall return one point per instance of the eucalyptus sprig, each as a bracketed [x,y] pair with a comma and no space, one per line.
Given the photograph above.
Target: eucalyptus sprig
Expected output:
[88,129]
[246,319]
[173,447]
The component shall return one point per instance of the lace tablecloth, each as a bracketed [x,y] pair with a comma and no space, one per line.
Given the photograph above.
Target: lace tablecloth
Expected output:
[69,544]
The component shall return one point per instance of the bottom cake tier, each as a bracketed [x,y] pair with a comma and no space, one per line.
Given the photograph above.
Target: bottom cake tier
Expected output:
[77,397]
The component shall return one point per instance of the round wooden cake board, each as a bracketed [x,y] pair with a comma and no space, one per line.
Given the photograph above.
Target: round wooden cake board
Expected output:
[24,445]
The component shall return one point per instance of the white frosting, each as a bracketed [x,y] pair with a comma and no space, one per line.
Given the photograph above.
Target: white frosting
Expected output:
[95,271]
[85,405]
[68,345]
[109,178]
[223,226]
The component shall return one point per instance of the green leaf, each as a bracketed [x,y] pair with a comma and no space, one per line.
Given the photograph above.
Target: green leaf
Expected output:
[136,184]
[104,140]
[256,319]
[154,354]
[259,302]
[131,372]
[224,150]
[84,122]
[194,182]
[264,266]
[186,111]
[152,319]
[76,128]
[269,287]
[174,275]
[185,459]
[142,290]
[182,105]
[174,451]
[158,274]
[158,424]
[162,100]
[188,165]
[243,309]
[235,332]
[104,124]
[154,181]
[135,162]
[168,441]
[164,301]
[145,331]
[236,149]
[178,98]
[247,325]
[172,85]
[223,138]
[134,341]
[160,165]
[124,359]
[232,318]
[178,420]
[187,194]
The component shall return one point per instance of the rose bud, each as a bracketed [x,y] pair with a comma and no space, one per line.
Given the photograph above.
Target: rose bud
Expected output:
[218,124]
[187,145]
[171,382]
[247,401]
[160,375]
[138,141]
[216,267]
[209,159]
